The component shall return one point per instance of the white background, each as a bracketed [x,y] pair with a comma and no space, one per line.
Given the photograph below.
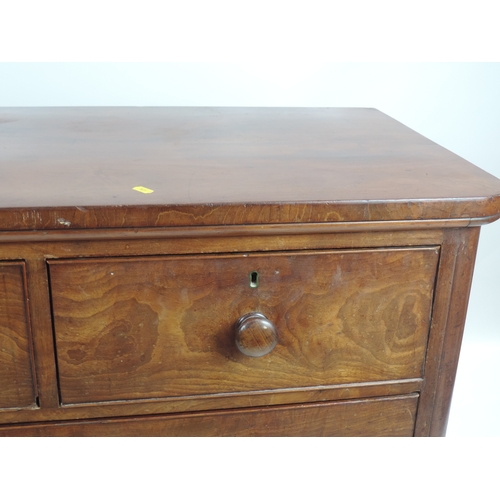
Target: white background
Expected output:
[411,60]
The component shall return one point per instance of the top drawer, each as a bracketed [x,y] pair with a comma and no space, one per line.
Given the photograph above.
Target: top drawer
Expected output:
[134,328]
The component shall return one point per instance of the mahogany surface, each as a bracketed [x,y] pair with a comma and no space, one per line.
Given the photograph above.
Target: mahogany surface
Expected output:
[16,372]
[156,327]
[210,166]
[118,308]
[374,417]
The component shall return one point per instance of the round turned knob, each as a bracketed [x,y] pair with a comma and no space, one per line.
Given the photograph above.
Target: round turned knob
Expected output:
[255,335]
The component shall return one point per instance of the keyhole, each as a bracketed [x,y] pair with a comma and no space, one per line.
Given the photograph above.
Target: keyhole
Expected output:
[254,279]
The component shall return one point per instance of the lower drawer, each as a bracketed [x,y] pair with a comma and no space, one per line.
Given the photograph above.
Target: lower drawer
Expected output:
[389,416]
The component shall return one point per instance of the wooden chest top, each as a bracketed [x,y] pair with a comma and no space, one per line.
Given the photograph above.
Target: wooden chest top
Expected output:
[67,168]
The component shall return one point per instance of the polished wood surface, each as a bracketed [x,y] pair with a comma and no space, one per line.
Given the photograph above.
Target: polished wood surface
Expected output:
[208,240]
[43,336]
[119,307]
[171,405]
[255,335]
[455,272]
[17,385]
[67,168]
[393,416]
[157,327]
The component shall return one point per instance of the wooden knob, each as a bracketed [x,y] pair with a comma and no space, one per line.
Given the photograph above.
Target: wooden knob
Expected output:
[255,335]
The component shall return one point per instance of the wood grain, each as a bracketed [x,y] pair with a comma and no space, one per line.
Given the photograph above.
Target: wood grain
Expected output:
[255,335]
[117,308]
[393,416]
[244,231]
[17,387]
[448,330]
[43,337]
[226,166]
[219,402]
[158,327]
[108,244]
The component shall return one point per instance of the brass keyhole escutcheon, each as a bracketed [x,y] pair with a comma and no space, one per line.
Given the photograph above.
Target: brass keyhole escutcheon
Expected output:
[254,279]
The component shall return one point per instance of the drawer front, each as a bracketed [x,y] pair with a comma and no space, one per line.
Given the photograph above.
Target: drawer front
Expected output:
[164,327]
[370,417]
[17,388]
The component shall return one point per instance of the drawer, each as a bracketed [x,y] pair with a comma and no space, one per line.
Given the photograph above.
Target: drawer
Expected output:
[394,416]
[17,388]
[158,327]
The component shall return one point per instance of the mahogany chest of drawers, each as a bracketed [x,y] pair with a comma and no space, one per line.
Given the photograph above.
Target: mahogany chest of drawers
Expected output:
[231,272]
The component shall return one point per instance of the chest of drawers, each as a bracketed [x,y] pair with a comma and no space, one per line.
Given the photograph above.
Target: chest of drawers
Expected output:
[231,272]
